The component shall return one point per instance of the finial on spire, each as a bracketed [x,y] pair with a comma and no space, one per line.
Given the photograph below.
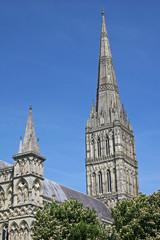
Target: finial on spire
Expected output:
[30,108]
[102,11]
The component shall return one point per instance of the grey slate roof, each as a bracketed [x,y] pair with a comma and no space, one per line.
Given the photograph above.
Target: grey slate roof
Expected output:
[4,164]
[62,193]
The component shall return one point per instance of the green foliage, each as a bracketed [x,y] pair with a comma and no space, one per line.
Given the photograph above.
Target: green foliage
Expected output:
[137,218]
[67,221]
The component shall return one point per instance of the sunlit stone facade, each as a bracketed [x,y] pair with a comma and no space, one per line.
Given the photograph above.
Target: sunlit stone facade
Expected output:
[111,166]
[23,188]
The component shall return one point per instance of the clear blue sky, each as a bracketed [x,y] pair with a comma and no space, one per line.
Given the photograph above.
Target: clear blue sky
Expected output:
[49,59]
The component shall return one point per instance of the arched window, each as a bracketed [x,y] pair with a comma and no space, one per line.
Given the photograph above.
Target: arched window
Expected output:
[24,231]
[13,234]
[5,232]
[100,183]
[109,185]
[110,114]
[99,147]
[94,186]
[107,146]
[93,149]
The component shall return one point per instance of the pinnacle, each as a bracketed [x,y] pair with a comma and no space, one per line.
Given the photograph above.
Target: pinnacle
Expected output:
[20,145]
[29,142]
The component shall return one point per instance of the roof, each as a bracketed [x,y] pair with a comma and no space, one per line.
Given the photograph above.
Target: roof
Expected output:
[4,164]
[62,193]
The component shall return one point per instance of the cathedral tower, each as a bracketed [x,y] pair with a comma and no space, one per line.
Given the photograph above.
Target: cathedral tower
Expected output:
[111,166]
[27,184]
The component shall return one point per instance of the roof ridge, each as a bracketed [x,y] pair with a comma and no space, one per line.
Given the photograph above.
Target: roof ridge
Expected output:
[78,192]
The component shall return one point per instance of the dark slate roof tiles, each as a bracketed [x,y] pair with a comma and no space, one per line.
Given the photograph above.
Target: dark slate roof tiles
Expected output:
[61,193]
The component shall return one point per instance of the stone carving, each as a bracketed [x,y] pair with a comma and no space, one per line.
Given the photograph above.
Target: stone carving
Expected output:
[36,191]
[22,190]
[2,197]
[11,235]
[25,194]
[9,196]
[102,115]
[5,175]
[108,86]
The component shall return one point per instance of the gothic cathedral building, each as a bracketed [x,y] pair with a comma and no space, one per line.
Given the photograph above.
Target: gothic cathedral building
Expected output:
[23,188]
[111,166]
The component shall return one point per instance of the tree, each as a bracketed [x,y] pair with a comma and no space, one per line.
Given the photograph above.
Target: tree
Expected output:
[69,221]
[136,218]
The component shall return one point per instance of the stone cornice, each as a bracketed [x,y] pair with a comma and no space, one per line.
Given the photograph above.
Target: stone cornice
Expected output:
[27,175]
[29,154]
[116,123]
[115,157]
[104,159]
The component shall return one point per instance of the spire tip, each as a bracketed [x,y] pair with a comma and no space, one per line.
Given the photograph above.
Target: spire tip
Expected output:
[30,108]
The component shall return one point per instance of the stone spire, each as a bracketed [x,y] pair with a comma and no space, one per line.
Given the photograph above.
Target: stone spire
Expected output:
[111,166]
[29,142]
[107,89]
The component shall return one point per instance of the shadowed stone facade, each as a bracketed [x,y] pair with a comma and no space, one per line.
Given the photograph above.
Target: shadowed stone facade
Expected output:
[111,166]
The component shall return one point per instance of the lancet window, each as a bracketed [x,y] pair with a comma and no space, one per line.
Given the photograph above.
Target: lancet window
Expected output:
[24,231]
[5,232]
[107,146]
[100,182]
[14,232]
[99,147]
[94,185]
[93,149]
[109,185]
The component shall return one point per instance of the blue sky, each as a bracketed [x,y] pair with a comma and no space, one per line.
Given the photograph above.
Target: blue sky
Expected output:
[49,59]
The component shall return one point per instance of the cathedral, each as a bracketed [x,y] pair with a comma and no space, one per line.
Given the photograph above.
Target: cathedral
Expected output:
[111,166]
